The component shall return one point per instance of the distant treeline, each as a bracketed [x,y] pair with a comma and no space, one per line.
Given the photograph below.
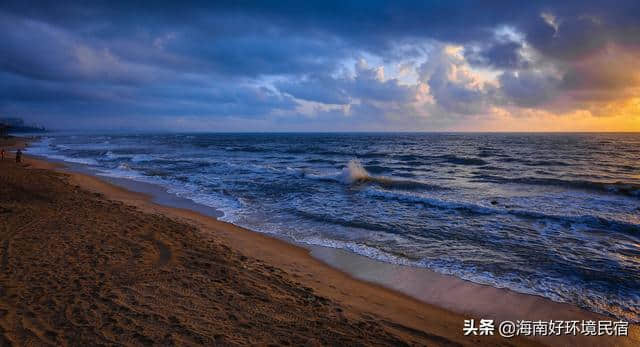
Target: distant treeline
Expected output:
[17,125]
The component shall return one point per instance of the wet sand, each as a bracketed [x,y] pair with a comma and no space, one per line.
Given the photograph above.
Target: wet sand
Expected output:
[87,262]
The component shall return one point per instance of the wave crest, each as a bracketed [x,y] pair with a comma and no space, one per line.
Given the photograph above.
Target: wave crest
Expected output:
[354,173]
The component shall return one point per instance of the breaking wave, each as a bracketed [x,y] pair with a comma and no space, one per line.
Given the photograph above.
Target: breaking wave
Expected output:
[455,203]
[356,174]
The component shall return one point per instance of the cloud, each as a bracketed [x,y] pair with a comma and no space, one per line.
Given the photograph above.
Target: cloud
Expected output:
[430,65]
[39,51]
[367,85]
[454,85]
[528,88]
[610,69]
[500,55]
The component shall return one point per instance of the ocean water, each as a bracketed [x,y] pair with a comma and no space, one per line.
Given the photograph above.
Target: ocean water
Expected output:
[557,215]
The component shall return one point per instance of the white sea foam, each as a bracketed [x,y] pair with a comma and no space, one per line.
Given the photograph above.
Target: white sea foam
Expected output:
[41,147]
[409,212]
[354,172]
[124,166]
[85,161]
[468,272]
[228,206]
[45,148]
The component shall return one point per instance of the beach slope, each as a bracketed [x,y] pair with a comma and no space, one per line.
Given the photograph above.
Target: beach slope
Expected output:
[79,268]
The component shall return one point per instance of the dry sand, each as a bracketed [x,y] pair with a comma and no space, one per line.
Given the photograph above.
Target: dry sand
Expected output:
[84,262]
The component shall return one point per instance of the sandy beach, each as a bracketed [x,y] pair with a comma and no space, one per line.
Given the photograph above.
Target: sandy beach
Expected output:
[86,262]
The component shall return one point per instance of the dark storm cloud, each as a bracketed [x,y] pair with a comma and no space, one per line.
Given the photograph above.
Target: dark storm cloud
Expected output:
[573,38]
[39,51]
[367,22]
[365,86]
[255,58]
[318,88]
[255,55]
[500,55]
[528,88]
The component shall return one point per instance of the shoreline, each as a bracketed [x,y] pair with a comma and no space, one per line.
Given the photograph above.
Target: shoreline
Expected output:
[446,291]
[432,302]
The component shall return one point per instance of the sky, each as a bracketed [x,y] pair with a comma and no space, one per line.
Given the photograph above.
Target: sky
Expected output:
[322,65]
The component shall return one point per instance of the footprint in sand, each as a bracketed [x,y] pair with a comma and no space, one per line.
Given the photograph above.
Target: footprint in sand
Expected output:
[137,269]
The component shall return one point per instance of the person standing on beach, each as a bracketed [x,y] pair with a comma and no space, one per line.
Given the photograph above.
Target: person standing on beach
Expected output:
[18,156]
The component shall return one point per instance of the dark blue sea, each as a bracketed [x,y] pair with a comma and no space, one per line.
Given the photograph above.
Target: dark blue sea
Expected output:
[557,215]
